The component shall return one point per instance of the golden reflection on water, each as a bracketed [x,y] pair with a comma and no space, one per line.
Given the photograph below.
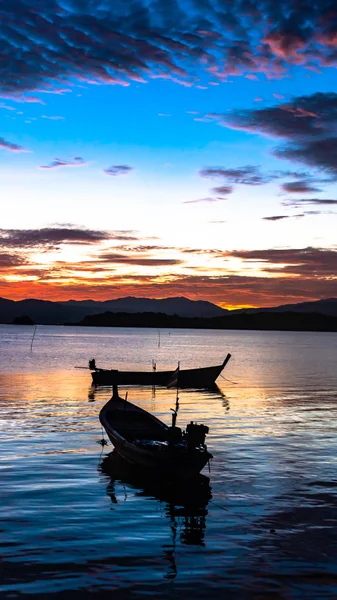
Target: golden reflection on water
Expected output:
[271,517]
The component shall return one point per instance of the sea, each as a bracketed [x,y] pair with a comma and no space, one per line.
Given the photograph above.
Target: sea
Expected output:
[75,522]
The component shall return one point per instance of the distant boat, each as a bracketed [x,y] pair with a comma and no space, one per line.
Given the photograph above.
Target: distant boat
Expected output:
[203,377]
[146,442]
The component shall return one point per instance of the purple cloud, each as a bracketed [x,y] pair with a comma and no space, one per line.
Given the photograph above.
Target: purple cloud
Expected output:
[223,190]
[10,146]
[113,43]
[116,170]
[300,186]
[318,201]
[307,124]
[67,234]
[57,163]
[247,175]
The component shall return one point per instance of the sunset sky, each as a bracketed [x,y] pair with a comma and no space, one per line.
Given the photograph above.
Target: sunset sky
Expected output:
[169,148]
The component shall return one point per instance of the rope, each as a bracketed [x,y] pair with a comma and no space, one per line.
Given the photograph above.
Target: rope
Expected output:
[230,381]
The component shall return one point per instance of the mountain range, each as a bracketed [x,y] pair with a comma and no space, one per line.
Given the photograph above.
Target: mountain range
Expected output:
[45,312]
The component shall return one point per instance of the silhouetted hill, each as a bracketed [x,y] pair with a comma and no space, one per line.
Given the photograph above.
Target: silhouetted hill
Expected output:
[49,313]
[24,320]
[325,307]
[73,311]
[287,321]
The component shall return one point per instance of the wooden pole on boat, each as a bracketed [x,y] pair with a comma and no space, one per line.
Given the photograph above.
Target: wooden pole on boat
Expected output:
[31,344]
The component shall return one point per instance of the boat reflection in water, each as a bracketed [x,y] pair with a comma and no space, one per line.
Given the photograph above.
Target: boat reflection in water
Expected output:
[185,502]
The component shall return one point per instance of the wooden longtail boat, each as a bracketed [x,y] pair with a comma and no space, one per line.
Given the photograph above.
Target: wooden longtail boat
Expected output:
[203,377]
[145,441]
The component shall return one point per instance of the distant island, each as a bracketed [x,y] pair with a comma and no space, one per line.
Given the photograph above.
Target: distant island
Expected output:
[179,312]
[286,321]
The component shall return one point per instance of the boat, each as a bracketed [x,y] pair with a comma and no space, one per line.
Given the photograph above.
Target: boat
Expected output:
[144,441]
[203,377]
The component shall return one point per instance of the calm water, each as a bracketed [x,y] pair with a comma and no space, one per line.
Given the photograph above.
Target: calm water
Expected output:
[77,524]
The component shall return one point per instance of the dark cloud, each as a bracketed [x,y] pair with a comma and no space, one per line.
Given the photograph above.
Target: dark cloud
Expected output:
[47,43]
[296,202]
[247,175]
[116,170]
[276,218]
[223,190]
[299,187]
[308,124]
[320,153]
[293,174]
[52,237]
[129,259]
[10,146]
[9,260]
[57,163]
[144,262]
[303,116]
[314,262]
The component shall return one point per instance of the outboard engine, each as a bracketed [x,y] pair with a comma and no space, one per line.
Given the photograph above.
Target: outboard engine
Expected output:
[174,435]
[92,364]
[196,434]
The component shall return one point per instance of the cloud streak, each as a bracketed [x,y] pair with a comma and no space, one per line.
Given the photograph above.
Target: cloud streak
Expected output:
[116,170]
[58,163]
[296,202]
[10,146]
[54,236]
[246,175]
[207,200]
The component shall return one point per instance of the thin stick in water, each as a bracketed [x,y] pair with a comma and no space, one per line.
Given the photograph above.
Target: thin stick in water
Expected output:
[31,344]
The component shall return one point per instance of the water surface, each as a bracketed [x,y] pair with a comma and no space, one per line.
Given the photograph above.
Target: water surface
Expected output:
[76,523]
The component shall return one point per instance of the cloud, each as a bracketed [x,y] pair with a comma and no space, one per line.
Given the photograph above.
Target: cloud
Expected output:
[310,116]
[9,260]
[145,261]
[53,118]
[116,170]
[299,187]
[307,124]
[115,43]
[309,261]
[247,175]
[6,107]
[57,163]
[223,190]
[317,201]
[201,200]
[54,236]
[319,153]
[10,146]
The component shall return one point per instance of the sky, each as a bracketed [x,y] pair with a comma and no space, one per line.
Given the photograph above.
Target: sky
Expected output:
[168,148]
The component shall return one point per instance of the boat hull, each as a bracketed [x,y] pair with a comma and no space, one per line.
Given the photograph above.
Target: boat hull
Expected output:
[204,377]
[175,460]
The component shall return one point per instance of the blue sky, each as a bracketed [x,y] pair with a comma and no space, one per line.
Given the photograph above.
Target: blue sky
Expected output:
[185,166]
